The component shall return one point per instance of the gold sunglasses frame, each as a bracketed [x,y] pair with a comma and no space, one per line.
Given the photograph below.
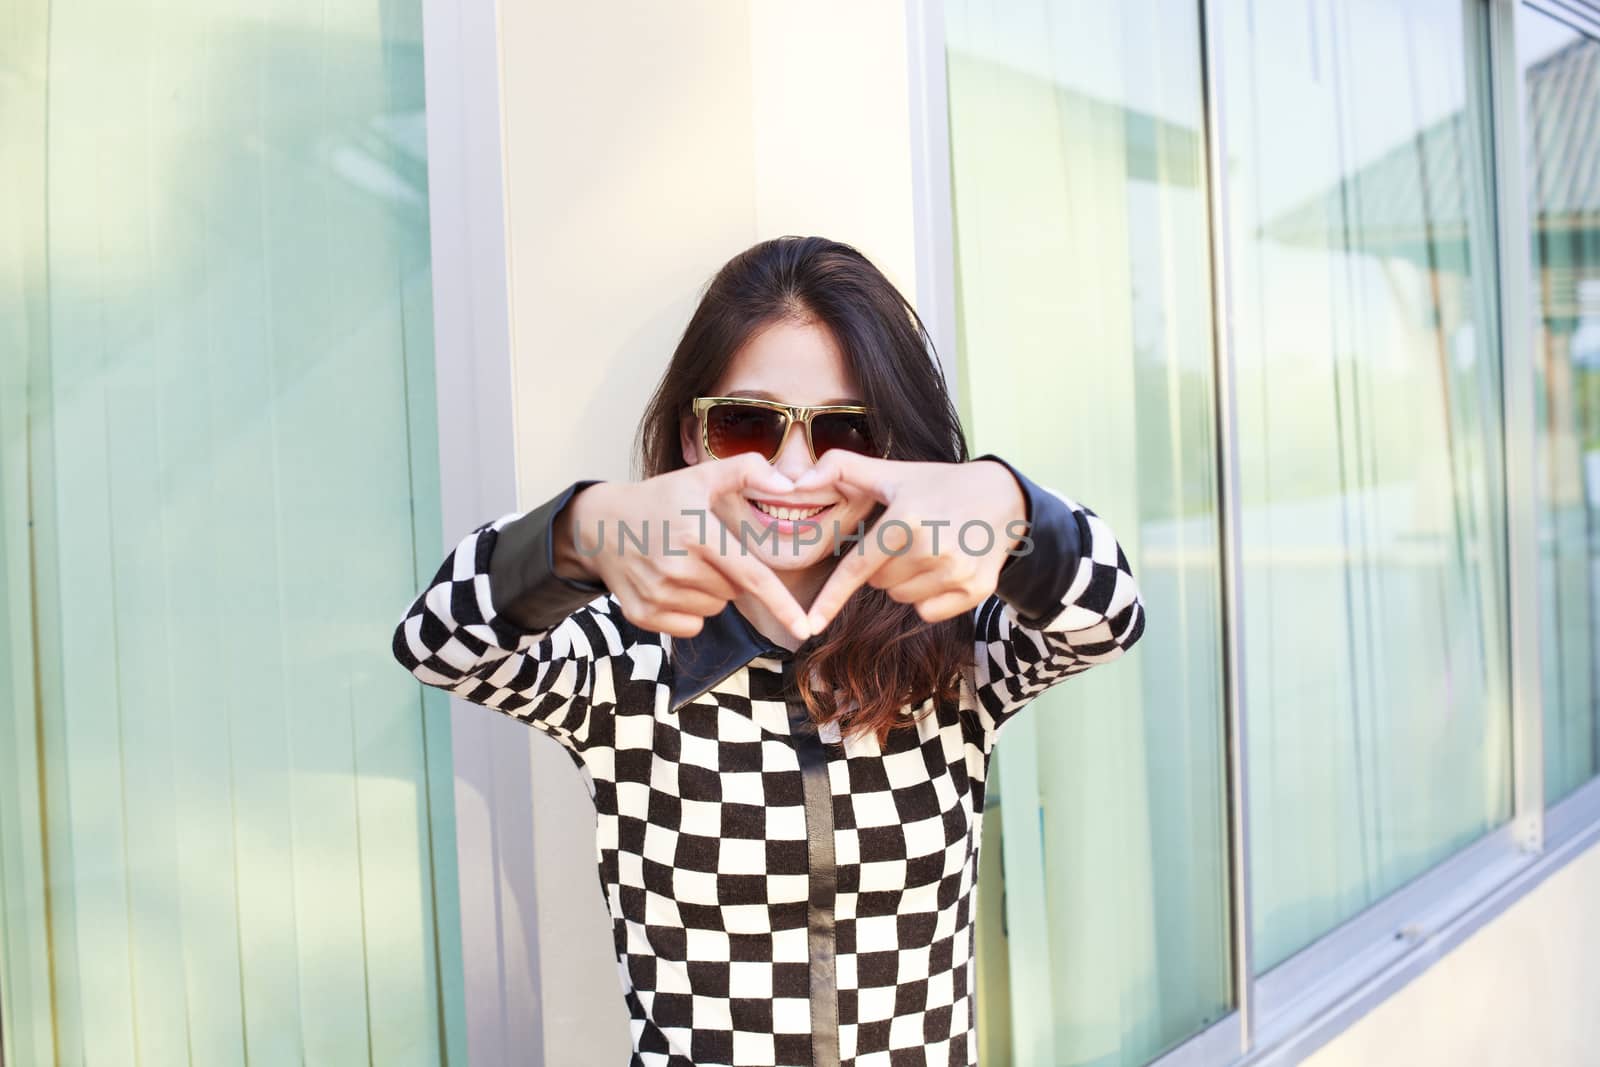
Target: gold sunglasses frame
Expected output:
[792,414]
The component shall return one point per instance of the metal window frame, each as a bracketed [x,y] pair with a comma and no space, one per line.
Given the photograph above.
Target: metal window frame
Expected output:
[1285,1014]
[477,479]
[1236,772]
[1520,408]
[932,205]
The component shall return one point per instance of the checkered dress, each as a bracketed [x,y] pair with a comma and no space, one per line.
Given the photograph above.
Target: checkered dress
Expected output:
[778,896]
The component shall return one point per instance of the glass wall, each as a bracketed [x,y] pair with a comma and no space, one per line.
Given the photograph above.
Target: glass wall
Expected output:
[1366,349]
[226,823]
[1560,69]
[1084,314]
[1369,437]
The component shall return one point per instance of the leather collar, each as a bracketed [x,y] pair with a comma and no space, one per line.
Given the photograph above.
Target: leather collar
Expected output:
[725,643]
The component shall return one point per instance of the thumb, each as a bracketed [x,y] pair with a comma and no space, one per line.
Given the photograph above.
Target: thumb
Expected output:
[749,471]
[865,474]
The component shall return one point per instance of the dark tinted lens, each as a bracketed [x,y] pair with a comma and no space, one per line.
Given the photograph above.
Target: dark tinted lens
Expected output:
[733,429]
[844,430]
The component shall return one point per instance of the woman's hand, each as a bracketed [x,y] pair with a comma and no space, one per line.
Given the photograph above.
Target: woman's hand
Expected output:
[939,543]
[686,519]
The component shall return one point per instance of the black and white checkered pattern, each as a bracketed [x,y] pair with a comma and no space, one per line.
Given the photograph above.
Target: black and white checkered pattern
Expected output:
[702,833]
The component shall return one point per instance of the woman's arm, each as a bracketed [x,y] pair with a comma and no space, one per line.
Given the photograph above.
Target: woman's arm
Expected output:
[499,626]
[1068,604]
[1065,601]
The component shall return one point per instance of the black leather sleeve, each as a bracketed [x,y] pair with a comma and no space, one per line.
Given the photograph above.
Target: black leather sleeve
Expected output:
[1035,583]
[523,581]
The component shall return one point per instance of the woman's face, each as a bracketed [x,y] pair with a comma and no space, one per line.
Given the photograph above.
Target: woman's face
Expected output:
[797,365]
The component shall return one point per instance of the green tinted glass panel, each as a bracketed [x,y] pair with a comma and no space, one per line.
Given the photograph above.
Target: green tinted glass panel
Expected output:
[1370,449]
[1084,311]
[1560,69]
[226,823]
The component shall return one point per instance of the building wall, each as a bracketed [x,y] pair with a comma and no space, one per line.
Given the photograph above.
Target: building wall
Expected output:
[1521,990]
[692,130]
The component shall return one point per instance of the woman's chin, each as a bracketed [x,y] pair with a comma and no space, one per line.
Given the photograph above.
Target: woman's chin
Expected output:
[789,561]
[800,553]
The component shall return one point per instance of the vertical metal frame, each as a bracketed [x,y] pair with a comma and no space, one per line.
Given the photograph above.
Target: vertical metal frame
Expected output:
[472,359]
[931,194]
[1240,914]
[1512,230]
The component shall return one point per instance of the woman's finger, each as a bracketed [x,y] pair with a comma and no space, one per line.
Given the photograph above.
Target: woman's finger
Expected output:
[904,566]
[752,574]
[859,564]
[708,580]
[686,570]
[674,624]
[947,605]
[869,475]
[930,582]
[741,474]
[692,601]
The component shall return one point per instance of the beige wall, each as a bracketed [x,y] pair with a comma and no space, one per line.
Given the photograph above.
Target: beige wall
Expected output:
[1524,990]
[646,143]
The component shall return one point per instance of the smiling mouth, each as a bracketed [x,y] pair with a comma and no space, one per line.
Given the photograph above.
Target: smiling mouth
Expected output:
[789,513]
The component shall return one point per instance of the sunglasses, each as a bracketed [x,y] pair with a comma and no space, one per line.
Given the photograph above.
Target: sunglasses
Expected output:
[733,425]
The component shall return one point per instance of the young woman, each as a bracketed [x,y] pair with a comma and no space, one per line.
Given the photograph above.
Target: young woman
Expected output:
[781,660]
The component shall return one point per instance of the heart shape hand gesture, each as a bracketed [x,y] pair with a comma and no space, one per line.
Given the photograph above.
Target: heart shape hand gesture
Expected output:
[939,543]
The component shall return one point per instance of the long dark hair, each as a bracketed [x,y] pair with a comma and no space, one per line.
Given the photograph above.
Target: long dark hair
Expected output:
[877,655]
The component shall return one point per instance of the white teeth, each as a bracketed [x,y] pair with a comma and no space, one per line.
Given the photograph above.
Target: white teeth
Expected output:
[788,513]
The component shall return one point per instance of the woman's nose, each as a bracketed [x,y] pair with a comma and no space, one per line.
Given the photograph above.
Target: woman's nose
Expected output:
[794,459]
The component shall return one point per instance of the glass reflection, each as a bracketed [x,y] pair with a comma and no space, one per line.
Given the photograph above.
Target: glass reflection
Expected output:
[227,828]
[1080,216]
[1560,69]
[1370,450]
